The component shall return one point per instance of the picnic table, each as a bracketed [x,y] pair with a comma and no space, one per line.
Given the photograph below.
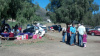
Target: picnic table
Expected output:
[5,36]
[25,33]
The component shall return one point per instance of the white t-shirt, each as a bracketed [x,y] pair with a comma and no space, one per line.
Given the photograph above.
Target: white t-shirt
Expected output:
[64,29]
[81,29]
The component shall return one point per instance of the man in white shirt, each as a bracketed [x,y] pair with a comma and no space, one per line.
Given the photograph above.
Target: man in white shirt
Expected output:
[81,30]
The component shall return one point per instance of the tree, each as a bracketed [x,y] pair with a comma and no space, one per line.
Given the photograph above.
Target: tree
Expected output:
[95,20]
[27,12]
[21,10]
[67,11]
[4,8]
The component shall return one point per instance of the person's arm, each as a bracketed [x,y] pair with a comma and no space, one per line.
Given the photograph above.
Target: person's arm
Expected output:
[70,32]
[75,31]
[78,30]
[85,31]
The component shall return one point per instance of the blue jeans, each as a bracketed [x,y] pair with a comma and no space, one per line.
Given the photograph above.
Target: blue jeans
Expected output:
[63,39]
[75,39]
[68,37]
[72,39]
[80,40]
[59,29]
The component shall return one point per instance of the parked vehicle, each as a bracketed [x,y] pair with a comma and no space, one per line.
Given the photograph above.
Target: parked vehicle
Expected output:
[95,31]
[41,31]
[88,28]
[28,26]
[45,28]
[32,29]
[29,30]
[55,27]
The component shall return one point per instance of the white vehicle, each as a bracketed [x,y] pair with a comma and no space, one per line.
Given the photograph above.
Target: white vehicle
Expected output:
[42,31]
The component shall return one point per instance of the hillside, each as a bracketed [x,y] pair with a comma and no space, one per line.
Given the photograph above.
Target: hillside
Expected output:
[42,13]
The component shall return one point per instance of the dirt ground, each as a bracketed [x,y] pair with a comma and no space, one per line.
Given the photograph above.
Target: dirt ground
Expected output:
[53,48]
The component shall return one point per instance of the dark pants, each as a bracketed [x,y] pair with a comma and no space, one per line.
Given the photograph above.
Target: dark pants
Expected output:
[75,39]
[68,37]
[78,38]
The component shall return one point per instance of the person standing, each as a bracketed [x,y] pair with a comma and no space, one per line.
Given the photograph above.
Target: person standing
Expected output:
[78,33]
[16,28]
[68,34]
[0,41]
[82,31]
[72,34]
[63,34]
[19,27]
[84,40]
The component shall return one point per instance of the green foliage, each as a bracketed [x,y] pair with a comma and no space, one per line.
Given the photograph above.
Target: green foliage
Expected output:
[3,8]
[67,11]
[21,10]
[95,21]
[12,23]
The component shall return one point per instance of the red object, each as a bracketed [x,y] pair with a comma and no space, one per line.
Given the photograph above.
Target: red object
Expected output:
[40,37]
[20,28]
[84,38]
[95,32]
[19,38]
[26,36]
[51,27]
[68,30]
[11,34]
[34,36]
[5,32]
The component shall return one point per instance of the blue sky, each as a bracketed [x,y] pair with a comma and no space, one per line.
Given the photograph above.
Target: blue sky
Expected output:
[44,3]
[98,2]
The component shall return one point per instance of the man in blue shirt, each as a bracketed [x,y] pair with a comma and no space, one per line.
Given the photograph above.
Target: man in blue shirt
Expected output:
[72,34]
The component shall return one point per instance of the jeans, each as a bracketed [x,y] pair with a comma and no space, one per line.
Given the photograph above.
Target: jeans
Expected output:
[68,37]
[75,39]
[0,41]
[63,39]
[72,39]
[80,40]
[59,29]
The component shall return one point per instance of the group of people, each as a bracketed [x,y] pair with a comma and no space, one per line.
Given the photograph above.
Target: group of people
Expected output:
[17,28]
[71,35]
[5,28]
